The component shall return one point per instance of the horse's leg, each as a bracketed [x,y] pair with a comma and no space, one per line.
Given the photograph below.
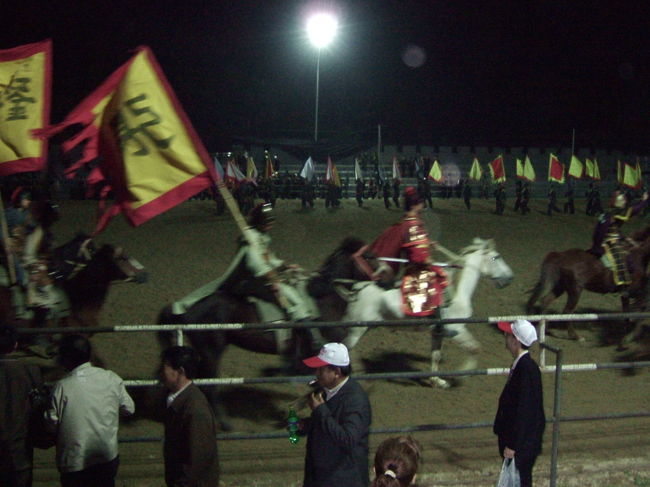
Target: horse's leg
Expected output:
[465,340]
[573,293]
[436,356]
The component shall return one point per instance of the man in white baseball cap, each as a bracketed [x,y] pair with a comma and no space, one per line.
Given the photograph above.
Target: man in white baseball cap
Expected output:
[337,431]
[520,421]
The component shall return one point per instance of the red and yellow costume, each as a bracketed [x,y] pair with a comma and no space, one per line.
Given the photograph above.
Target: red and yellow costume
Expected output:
[423,283]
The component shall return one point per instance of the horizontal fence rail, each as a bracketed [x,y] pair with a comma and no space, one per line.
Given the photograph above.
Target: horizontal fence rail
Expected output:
[337,324]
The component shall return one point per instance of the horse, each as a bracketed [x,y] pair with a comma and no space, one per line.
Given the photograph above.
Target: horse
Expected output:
[373,303]
[221,307]
[82,275]
[574,270]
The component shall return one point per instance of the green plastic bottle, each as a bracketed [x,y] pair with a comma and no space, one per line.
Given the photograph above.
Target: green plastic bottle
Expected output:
[292,426]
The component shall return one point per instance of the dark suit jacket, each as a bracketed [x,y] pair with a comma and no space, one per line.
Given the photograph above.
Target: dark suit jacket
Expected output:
[190,449]
[337,443]
[520,419]
[16,381]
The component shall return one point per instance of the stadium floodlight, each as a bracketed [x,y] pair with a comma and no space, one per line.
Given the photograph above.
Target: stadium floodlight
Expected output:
[321,30]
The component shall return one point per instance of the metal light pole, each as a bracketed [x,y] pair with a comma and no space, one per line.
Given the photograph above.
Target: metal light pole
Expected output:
[321,29]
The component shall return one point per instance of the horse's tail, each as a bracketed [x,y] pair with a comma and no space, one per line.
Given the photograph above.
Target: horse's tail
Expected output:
[548,280]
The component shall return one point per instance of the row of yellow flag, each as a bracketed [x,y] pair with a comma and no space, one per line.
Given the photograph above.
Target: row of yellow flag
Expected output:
[628,175]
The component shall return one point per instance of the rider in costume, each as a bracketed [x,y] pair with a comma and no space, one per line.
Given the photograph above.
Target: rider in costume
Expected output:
[608,239]
[423,283]
[262,274]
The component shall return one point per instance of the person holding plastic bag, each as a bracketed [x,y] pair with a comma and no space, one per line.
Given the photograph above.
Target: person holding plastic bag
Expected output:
[520,421]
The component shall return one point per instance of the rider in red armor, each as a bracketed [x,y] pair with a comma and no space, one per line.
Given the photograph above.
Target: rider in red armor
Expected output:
[423,283]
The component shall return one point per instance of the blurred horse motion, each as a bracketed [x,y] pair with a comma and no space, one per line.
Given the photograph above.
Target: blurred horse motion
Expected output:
[575,270]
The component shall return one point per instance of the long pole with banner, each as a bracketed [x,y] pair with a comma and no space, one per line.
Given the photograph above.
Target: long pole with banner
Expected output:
[7,243]
[243,226]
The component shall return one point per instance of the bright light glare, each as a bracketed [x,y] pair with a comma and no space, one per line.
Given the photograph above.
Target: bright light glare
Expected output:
[321,29]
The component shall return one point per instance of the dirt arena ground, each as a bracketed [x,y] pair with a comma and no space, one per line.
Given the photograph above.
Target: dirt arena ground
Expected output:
[189,246]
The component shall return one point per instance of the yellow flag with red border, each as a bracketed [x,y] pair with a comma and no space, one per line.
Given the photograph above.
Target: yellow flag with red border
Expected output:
[475,172]
[575,168]
[25,92]
[435,173]
[151,157]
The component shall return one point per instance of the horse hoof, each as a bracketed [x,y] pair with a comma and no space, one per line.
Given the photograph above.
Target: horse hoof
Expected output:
[437,382]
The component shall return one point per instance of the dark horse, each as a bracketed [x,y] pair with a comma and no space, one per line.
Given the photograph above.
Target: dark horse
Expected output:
[82,275]
[221,307]
[575,270]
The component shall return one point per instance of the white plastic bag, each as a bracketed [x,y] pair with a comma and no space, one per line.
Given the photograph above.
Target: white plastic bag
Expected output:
[509,474]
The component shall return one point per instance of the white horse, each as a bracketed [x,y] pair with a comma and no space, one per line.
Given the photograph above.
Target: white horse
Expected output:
[370,302]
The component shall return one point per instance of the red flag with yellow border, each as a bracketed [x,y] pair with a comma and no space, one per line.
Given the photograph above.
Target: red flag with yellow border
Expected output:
[25,92]
[555,169]
[151,157]
[497,170]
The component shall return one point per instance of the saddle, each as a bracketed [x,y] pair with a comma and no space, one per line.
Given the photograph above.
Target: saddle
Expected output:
[615,259]
[423,290]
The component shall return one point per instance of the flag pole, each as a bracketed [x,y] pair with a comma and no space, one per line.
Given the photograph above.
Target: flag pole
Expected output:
[573,141]
[243,226]
[378,145]
[7,242]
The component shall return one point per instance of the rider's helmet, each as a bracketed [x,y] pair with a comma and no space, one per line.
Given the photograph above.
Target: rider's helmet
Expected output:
[619,200]
[261,216]
[21,198]
[411,198]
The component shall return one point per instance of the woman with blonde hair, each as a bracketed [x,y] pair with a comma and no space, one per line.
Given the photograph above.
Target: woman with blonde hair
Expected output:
[396,462]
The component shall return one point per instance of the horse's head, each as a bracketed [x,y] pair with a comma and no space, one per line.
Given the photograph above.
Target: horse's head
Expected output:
[483,254]
[120,266]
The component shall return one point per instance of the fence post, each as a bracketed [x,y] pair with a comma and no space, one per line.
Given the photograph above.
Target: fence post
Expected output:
[542,339]
[557,401]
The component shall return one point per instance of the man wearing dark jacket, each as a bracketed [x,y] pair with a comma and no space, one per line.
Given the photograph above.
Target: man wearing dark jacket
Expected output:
[337,442]
[190,448]
[16,381]
[520,421]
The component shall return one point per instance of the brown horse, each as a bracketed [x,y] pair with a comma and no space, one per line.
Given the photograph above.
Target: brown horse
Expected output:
[573,271]
[82,275]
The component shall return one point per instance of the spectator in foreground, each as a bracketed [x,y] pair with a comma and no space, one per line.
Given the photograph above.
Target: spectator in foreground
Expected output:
[190,449]
[337,431]
[16,381]
[519,423]
[396,462]
[85,409]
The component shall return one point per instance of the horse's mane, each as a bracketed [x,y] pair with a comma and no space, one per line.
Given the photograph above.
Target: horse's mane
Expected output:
[477,244]
[334,264]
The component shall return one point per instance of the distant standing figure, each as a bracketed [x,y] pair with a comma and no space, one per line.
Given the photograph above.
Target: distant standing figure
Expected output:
[525,199]
[500,197]
[520,421]
[396,184]
[569,205]
[552,201]
[467,195]
[518,195]
[359,190]
[385,188]
[85,410]
[190,448]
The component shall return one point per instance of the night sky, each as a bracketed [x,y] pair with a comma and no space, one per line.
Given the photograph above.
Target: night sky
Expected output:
[511,73]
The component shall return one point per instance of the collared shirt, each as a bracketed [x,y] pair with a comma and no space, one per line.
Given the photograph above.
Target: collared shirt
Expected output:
[514,364]
[330,393]
[174,395]
[85,410]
